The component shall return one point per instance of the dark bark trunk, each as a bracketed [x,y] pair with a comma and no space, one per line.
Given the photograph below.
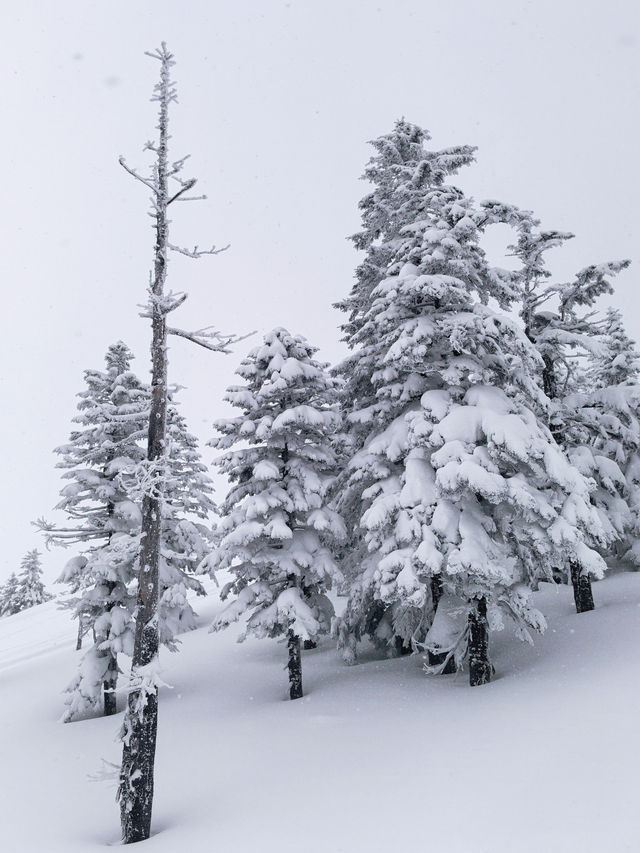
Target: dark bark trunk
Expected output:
[111,677]
[80,635]
[438,658]
[138,756]
[295,666]
[480,669]
[401,647]
[309,644]
[582,592]
[141,721]
[549,377]
[109,686]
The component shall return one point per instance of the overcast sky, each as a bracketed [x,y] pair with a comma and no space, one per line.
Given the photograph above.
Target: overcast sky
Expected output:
[277,102]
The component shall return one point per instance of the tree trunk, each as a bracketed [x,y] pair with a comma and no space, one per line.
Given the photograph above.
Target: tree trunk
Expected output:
[295,666]
[479,664]
[80,634]
[401,648]
[582,593]
[141,721]
[109,686]
[439,658]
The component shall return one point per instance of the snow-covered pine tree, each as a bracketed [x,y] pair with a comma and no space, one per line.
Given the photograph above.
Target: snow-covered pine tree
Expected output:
[30,589]
[456,484]
[618,362]
[402,171]
[104,521]
[604,432]
[186,530]
[277,535]
[8,596]
[559,320]
[102,501]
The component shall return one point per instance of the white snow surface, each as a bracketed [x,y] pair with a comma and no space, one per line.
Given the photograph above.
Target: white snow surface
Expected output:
[376,757]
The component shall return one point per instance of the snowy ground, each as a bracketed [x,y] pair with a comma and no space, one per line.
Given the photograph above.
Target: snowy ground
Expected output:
[377,757]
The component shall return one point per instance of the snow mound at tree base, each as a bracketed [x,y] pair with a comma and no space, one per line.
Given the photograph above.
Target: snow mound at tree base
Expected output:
[375,757]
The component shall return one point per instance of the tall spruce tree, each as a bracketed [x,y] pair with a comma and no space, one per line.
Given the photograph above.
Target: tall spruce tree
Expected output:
[278,535]
[402,171]
[455,485]
[559,319]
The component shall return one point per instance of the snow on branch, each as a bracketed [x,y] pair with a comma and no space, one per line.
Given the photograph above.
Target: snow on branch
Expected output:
[64,536]
[164,304]
[146,479]
[162,53]
[196,252]
[186,186]
[210,338]
[137,175]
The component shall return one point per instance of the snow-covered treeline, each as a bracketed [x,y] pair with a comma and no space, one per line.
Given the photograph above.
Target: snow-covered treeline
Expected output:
[482,436]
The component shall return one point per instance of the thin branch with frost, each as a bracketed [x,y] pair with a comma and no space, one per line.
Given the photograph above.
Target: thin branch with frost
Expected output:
[146,479]
[196,252]
[64,536]
[186,186]
[210,338]
[137,175]
[163,304]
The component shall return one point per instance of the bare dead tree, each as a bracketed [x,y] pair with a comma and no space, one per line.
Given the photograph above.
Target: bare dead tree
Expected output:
[135,791]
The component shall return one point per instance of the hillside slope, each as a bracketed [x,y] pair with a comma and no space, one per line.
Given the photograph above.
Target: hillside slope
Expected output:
[375,757]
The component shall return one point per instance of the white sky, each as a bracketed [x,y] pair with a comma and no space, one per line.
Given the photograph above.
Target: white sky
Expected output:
[277,101]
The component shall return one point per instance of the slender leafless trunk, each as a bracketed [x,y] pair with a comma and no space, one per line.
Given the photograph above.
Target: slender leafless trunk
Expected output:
[135,791]
[138,757]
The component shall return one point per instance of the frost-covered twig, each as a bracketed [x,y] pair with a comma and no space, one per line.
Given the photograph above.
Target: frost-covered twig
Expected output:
[210,338]
[137,175]
[146,479]
[195,252]
[165,303]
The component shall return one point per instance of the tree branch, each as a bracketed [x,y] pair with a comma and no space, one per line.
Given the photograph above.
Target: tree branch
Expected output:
[186,186]
[135,175]
[195,252]
[210,338]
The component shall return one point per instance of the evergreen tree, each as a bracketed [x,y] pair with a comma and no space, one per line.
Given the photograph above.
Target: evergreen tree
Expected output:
[104,520]
[30,589]
[456,486]
[8,602]
[604,421]
[277,535]
[618,362]
[186,533]
[559,320]
[103,501]
[402,171]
